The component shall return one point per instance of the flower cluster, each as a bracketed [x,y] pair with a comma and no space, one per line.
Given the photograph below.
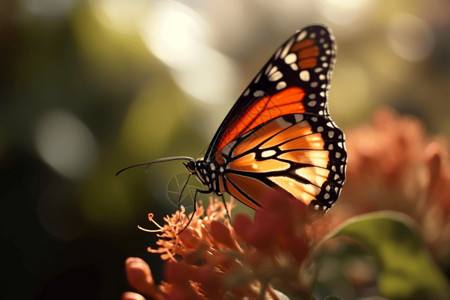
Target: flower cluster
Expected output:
[264,258]
[394,165]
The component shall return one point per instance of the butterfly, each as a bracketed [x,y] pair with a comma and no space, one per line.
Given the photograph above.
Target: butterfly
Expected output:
[279,136]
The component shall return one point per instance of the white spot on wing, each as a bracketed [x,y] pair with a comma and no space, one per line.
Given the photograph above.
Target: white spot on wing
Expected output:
[273,70]
[276,76]
[257,78]
[304,75]
[290,58]
[298,118]
[301,36]
[281,85]
[268,69]
[277,54]
[268,153]
[258,93]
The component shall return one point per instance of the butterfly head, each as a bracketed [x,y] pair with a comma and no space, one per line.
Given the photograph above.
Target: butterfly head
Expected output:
[191,166]
[206,173]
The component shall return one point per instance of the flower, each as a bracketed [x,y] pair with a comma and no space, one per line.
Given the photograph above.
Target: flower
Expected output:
[264,258]
[394,165]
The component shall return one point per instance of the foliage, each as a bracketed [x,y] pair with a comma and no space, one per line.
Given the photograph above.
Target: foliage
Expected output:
[406,269]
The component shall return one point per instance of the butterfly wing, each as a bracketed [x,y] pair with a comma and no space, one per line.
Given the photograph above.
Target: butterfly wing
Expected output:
[279,135]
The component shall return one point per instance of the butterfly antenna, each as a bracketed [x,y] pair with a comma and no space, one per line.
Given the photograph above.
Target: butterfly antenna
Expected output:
[148,164]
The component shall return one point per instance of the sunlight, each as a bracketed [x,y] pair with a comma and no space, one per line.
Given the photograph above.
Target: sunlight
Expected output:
[178,36]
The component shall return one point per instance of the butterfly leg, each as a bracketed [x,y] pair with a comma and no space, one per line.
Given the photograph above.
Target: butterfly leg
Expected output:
[181,195]
[195,207]
[182,191]
[226,208]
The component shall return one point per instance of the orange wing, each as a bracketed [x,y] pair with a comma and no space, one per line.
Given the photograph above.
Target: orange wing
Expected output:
[301,154]
[286,102]
[294,80]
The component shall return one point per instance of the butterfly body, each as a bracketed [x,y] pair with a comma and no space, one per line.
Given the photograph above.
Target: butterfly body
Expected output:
[279,136]
[210,174]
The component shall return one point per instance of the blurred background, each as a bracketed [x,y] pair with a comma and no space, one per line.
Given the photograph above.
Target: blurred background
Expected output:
[89,87]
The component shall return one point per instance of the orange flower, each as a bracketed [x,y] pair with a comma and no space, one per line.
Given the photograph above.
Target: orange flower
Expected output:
[394,165]
[212,259]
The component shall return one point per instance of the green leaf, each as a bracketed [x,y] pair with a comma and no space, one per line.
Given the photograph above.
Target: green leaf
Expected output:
[406,269]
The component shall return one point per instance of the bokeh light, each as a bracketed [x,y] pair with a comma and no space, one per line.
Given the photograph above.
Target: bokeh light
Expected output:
[178,36]
[410,37]
[65,143]
[121,16]
[344,12]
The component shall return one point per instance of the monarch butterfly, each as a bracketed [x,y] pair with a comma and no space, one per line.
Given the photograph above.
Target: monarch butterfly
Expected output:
[279,134]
